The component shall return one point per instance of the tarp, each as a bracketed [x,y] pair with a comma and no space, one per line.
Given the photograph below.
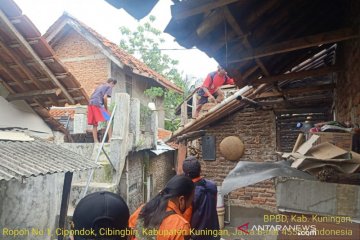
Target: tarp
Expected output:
[247,173]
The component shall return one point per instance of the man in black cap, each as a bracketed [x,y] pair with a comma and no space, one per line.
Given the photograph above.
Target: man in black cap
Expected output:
[101,215]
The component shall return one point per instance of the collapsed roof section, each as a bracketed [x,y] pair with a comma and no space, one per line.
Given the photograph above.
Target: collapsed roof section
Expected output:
[286,51]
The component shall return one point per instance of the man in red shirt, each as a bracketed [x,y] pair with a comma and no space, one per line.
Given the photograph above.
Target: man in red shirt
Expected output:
[210,89]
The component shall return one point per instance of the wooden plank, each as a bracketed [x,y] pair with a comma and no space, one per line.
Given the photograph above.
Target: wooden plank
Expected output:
[209,23]
[269,94]
[20,64]
[20,38]
[296,44]
[14,78]
[31,94]
[235,26]
[324,87]
[302,110]
[184,9]
[297,75]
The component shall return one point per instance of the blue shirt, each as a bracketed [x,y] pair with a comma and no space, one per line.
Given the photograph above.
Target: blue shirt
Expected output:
[97,98]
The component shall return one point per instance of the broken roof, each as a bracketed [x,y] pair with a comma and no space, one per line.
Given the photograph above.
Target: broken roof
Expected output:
[29,69]
[285,50]
[110,49]
[22,159]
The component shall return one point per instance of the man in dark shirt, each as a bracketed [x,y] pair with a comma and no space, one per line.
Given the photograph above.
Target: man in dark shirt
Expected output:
[97,109]
[202,215]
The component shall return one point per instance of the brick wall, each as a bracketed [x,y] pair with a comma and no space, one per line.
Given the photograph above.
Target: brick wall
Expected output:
[162,169]
[135,171]
[348,83]
[91,68]
[83,60]
[257,130]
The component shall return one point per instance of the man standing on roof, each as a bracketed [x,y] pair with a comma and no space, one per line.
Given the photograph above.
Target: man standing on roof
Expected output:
[97,109]
[210,89]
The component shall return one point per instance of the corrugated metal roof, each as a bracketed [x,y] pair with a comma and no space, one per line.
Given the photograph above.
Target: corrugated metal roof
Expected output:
[25,159]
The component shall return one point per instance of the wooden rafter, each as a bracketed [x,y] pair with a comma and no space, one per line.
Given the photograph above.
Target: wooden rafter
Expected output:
[324,87]
[235,26]
[20,38]
[20,65]
[297,75]
[211,21]
[296,44]
[188,11]
[13,78]
[31,94]
[269,95]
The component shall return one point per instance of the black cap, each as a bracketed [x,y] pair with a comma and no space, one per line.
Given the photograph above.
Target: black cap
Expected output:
[98,210]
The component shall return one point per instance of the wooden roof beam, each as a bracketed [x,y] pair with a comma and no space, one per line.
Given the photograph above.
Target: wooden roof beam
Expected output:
[208,24]
[187,9]
[65,100]
[297,75]
[296,44]
[32,63]
[20,64]
[32,94]
[20,38]
[13,78]
[31,41]
[323,87]
[30,81]
[235,26]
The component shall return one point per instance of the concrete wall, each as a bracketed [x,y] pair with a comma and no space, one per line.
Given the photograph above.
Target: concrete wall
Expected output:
[257,131]
[139,85]
[34,203]
[347,100]
[295,195]
[19,114]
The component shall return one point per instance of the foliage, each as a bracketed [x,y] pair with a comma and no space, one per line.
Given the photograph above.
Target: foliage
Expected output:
[145,43]
[154,92]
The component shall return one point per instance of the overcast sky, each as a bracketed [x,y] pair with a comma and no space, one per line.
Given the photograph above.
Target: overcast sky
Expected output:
[106,20]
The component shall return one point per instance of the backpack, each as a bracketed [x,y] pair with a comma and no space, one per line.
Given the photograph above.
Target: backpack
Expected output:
[201,92]
[204,215]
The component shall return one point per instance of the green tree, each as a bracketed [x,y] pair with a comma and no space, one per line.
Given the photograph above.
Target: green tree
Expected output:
[145,43]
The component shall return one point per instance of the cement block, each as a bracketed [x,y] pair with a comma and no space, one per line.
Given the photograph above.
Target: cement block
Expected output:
[315,197]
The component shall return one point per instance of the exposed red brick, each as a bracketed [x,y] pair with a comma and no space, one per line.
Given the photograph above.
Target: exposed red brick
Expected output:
[117,52]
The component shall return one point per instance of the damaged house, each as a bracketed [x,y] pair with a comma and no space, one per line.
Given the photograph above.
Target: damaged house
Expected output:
[293,61]
[93,59]
[34,171]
